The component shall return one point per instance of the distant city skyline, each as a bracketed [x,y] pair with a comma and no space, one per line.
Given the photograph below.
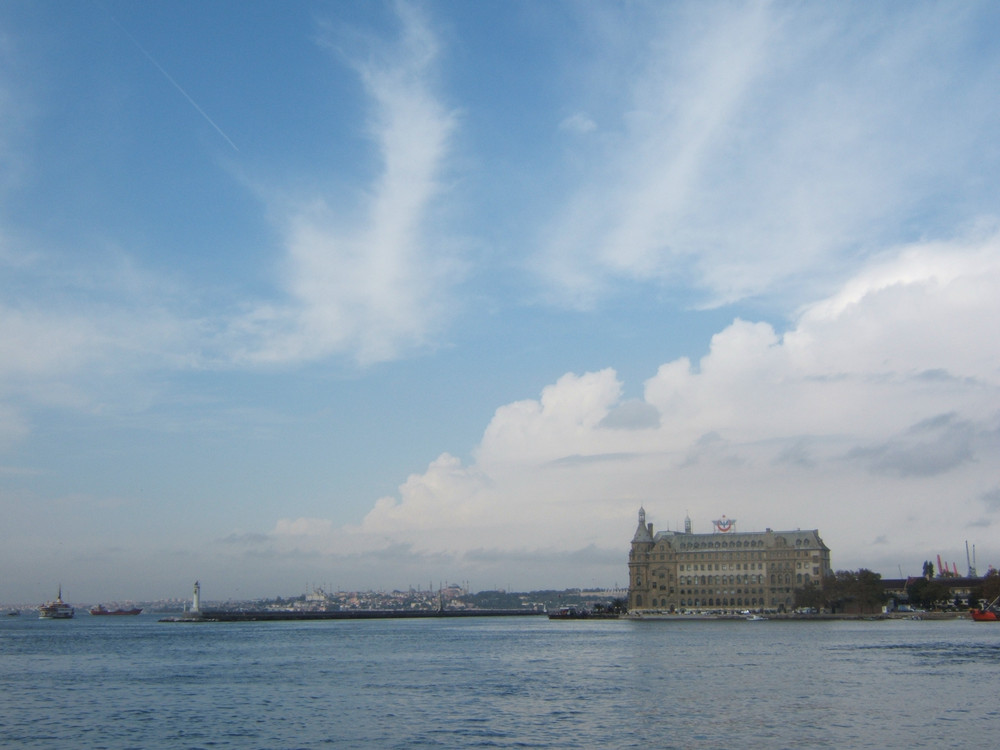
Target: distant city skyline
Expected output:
[375,293]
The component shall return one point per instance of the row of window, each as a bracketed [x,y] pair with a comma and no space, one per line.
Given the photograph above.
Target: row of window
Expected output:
[725,601]
[693,556]
[776,580]
[711,580]
[724,566]
[719,601]
[750,544]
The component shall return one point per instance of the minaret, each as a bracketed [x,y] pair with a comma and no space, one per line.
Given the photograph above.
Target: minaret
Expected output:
[196,599]
[687,524]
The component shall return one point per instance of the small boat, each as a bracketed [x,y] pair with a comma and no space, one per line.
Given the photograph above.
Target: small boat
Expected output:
[991,613]
[55,610]
[101,610]
[13,613]
[756,618]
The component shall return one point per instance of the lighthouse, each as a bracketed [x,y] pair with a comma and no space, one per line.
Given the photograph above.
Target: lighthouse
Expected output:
[196,599]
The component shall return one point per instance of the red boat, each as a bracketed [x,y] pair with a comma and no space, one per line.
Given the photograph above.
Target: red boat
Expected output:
[990,614]
[100,610]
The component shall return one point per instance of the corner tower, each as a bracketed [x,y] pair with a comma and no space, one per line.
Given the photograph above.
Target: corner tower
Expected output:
[638,564]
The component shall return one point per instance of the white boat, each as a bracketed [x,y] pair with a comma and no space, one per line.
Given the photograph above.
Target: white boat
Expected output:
[756,618]
[55,610]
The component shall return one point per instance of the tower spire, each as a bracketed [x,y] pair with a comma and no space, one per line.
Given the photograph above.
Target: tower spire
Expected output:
[643,532]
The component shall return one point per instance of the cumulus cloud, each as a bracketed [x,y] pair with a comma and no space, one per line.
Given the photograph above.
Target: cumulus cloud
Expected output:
[932,446]
[632,415]
[829,425]
[785,154]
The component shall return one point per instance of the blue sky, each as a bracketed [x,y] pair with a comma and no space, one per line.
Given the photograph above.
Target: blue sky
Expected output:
[376,295]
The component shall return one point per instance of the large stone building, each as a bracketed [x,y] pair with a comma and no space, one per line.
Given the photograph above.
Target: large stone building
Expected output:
[674,571]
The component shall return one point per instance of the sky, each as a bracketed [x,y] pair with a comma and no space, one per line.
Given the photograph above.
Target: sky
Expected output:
[387,295]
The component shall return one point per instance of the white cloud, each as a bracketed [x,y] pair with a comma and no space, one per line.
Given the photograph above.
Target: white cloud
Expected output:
[579,123]
[373,287]
[87,339]
[761,151]
[764,150]
[834,425]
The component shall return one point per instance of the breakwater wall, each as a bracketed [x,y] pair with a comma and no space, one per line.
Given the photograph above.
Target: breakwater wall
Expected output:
[347,614]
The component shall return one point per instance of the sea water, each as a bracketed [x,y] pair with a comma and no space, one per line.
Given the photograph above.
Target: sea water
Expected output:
[134,682]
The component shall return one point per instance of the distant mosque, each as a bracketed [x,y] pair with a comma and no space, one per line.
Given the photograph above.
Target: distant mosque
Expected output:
[727,570]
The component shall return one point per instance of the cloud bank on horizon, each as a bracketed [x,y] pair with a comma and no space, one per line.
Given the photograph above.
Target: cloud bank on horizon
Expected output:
[242,359]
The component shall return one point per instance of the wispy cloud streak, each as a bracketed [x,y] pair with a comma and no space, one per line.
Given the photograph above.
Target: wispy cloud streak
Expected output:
[373,287]
[765,146]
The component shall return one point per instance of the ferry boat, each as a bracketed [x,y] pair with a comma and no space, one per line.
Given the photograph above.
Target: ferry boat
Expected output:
[101,610]
[55,610]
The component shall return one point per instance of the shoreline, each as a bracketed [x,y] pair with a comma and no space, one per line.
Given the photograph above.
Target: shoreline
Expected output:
[359,614]
[793,617]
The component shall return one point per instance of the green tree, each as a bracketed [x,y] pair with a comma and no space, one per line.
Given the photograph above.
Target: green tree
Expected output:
[975,594]
[810,595]
[854,591]
[927,594]
[988,590]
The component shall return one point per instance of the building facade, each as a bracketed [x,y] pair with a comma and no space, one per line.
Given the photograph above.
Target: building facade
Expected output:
[726,570]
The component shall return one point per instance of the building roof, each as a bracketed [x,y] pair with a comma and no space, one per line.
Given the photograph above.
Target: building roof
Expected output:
[808,538]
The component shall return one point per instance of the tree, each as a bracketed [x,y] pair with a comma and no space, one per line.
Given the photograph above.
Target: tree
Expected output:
[928,569]
[868,590]
[989,589]
[810,595]
[927,594]
[619,606]
[854,591]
